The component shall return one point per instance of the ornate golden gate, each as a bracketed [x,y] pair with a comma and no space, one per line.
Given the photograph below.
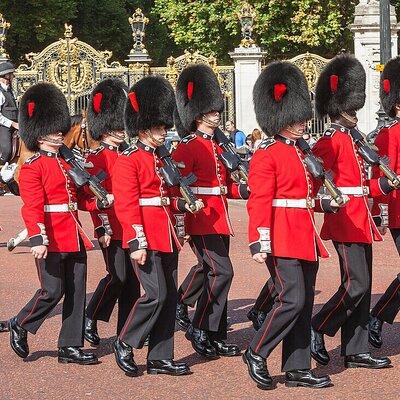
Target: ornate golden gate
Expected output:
[75,67]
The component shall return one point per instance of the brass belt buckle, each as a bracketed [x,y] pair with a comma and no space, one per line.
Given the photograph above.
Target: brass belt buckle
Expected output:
[164,201]
[223,190]
[365,190]
[309,203]
[71,206]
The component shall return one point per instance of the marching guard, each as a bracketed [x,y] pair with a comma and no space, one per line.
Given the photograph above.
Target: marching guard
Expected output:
[200,104]
[340,93]
[105,119]
[58,242]
[387,209]
[152,220]
[282,231]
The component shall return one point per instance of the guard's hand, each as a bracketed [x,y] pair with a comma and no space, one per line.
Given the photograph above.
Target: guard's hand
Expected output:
[260,257]
[110,199]
[7,171]
[105,240]
[346,199]
[139,256]
[199,205]
[39,252]
[382,230]
[15,125]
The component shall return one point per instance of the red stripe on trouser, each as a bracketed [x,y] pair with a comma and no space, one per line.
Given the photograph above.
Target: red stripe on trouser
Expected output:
[191,282]
[344,294]
[211,288]
[257,349]
[106,287]
[267,296]
[39,297]
[391,297]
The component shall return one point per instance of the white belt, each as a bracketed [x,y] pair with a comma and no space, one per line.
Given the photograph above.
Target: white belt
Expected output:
[60,207]
[155,201]
[293,203]
[212,191]
[356,190]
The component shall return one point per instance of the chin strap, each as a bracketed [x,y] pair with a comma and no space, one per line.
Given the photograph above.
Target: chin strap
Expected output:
[293,132]
[52,141]
[210,123]
[117,134]
[349,118]
[155,141]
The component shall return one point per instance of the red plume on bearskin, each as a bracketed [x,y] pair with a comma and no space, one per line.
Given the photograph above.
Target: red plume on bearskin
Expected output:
[106,107]
[281,97]
[43,110]
[156,98]
[197,92]
[340,86]
[390,86]
[31,108]
[134,102]
[279,90]
[190,90]
[334,81]
[97,98]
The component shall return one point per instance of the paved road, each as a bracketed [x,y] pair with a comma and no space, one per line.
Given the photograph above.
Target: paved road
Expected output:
[41,377]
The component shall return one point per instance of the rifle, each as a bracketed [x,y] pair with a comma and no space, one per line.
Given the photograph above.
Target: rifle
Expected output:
[315,167]
[81,177]
[173,177]
[372,158]
[229,157]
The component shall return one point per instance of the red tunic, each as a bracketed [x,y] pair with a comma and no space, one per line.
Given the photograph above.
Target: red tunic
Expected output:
[277,171]
[199,153]
[388,143]
[105,221]
[136,176]
[44,181]
[353,223]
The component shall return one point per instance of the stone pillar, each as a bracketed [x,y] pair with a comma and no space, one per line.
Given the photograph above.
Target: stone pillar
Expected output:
[367,50]
[247,69]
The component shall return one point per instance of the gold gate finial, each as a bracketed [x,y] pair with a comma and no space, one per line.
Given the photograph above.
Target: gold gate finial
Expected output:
[247,16]
[68,31]
[4,26]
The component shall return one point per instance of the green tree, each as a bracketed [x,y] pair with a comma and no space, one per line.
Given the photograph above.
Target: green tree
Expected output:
[283,27]
[34,24]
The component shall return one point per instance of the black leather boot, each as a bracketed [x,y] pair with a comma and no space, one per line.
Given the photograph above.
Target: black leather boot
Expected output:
[91,334]
[225,350]
[168,367]
[200,342]
[257,369]
[375,331]
[252,315]
[306,378]
[182,317]
[318,350]
[124,358]
[18,338]
[76,355]
[4,326]
[364,360]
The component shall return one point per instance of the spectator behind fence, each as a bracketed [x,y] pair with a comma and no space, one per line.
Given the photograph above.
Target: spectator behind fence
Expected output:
[237,137]
[256,138]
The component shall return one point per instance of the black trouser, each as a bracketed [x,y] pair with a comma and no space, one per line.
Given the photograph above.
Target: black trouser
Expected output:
[153,314]
[348,308]
[388,305]
[6,146]
[290,318]
[192,286]
[60,274]
[211,310]
[266,298]
[120,284]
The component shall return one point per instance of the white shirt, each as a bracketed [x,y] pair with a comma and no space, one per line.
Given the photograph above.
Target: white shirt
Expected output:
[3,120]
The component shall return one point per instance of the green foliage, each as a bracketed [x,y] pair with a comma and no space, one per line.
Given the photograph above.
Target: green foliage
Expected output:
[34,24]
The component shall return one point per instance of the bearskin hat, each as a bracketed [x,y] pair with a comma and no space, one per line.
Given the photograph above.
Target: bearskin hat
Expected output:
[43,110]
[151,102]
[390,86]
[197,92]
[106,107]
[340,87]
[281,97]
[180,129]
